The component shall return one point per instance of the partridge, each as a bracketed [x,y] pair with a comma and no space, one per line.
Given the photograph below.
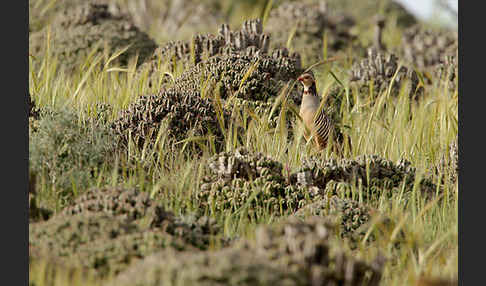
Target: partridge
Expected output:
[318,124]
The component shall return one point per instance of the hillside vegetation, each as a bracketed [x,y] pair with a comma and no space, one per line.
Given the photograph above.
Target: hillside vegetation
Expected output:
[165,146]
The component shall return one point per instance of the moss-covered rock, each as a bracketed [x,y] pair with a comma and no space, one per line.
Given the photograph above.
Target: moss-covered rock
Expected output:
[291,253]
[357,222]
[82,26]
[228,266]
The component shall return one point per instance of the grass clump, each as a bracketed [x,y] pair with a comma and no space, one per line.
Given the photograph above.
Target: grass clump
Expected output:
[68,155]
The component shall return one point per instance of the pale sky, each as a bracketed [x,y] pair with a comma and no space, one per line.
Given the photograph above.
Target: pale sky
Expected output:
[425,9]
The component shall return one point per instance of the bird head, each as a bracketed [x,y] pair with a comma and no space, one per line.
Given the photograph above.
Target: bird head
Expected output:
[307,80]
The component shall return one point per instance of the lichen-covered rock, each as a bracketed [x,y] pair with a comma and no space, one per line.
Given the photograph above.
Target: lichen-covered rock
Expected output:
[306,24]
[426,48]
[374,173]
[185,114]
[83,26]
[379,69]
[294,252]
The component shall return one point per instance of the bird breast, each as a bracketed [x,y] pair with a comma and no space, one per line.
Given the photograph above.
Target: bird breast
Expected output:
[309,103]
[309,106]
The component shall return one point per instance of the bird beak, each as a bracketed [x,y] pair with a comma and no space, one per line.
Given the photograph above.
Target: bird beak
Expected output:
[299,78]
